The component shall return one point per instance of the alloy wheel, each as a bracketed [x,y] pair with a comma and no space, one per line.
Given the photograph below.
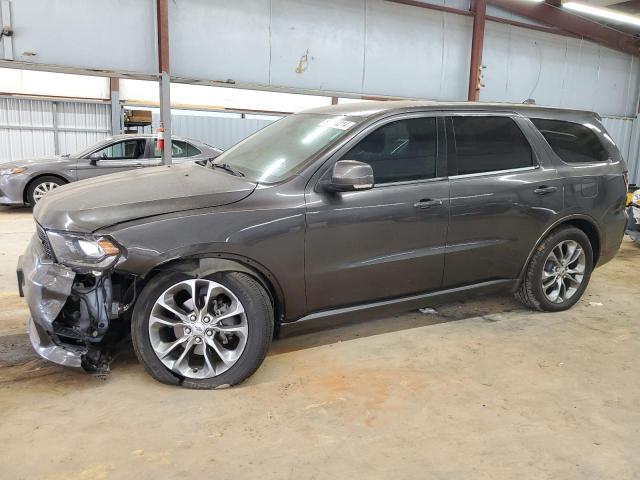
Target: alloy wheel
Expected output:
[42,189]
[563,271]
[198,328]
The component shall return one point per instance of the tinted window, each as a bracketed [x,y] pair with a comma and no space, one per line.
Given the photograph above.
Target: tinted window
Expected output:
[129,149]
[179,149]
[399,151]
[489,144]
[572,142]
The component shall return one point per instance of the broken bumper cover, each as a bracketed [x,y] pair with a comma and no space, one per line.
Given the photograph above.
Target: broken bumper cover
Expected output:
[43,344]
[46,287]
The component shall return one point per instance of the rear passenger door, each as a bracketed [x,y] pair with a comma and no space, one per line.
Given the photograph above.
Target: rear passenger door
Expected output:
[504,193]
[181,152]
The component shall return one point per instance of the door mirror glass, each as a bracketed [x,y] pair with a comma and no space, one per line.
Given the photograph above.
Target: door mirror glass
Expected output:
[349,176]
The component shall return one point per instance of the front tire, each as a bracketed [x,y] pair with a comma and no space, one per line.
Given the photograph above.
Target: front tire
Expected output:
[559,271]
[202,333]
[40,187]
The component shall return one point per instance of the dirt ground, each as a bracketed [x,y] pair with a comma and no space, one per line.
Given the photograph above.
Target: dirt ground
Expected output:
[481,390]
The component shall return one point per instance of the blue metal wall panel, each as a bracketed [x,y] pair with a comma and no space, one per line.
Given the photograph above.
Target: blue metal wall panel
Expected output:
[105,35]
[347,47]
[220,40]
[557,70]
[318,44]
[414,52]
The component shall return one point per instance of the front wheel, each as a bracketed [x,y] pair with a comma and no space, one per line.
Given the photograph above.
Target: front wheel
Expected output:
[40,187]
[202,332]
[558,272]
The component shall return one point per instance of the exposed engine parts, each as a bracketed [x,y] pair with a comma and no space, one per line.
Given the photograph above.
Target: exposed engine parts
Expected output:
[87,317]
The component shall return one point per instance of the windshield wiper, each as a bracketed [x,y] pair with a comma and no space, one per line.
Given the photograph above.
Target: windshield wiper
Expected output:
[228,168]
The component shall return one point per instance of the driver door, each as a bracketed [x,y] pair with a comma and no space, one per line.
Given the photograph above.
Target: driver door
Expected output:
[387,241]
[116,157]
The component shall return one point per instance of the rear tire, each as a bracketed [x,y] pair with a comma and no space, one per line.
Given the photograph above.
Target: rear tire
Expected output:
[551,286]
[257,316]
[39,187]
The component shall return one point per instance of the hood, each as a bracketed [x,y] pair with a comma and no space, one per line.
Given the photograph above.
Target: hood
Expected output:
[30,161]
[88,205]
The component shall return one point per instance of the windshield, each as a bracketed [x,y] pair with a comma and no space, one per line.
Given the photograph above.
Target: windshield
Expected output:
[280,149]
[86,151]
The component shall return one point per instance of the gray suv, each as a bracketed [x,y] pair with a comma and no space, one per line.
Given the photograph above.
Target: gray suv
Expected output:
[350,210]
[27,181]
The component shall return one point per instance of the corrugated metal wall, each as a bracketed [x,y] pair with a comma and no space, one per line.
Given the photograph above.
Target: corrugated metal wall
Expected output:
[221,130]
[34,128]
[625,132]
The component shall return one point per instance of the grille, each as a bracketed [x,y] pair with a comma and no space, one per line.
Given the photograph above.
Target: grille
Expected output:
[46,246]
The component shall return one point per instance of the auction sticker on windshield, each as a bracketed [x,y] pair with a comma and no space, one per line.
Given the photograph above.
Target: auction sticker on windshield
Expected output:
[337,123]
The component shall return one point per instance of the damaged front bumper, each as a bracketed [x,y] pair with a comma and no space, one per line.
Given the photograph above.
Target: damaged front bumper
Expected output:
[42,342]
[46,287]
[70,313]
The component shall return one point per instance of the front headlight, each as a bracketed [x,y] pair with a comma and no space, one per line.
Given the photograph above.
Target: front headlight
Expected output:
[12,171]
[84,251]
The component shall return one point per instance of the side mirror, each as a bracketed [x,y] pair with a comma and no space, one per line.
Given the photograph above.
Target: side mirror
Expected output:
[349,176]
[93,159]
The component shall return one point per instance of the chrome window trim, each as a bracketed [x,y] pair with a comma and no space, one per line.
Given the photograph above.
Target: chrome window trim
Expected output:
[495,172]
[409,182]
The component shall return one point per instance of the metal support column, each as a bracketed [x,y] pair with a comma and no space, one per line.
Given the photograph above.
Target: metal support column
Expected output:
[162,16]
[477,41]
[116,109]
[56,131]
[165,116]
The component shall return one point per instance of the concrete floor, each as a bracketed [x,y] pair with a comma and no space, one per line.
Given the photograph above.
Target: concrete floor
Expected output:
[483,389]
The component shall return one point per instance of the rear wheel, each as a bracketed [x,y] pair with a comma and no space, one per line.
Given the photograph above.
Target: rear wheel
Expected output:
[40,187]
[202,332]
[558,272]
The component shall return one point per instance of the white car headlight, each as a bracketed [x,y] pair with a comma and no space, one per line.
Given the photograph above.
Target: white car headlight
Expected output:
[83,251]
[12,171]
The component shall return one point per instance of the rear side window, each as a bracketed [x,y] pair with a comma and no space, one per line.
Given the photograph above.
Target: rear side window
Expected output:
[192,151]
[572,142]
[179,149]
[399,151]
[489,144]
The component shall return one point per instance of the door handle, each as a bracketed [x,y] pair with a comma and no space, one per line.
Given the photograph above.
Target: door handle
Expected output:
[427,203]
[543,190]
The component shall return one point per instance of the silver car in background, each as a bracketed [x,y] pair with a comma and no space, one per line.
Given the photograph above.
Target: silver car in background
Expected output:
[25,182]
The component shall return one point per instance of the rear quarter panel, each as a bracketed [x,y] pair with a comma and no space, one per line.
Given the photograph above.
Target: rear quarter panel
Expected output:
[597,191]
